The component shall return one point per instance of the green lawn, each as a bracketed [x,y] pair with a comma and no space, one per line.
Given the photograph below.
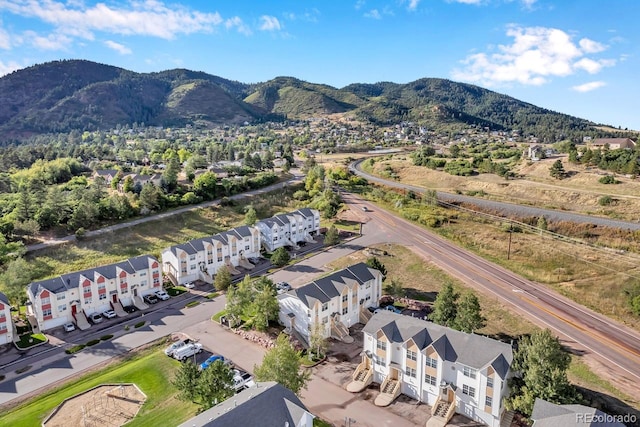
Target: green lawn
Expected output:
[29,340]
[150,370]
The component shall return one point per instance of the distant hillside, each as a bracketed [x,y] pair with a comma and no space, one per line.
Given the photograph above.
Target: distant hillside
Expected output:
[64,95]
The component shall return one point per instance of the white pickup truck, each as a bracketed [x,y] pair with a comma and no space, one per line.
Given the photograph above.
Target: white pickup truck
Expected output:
[242,380]
[185,352]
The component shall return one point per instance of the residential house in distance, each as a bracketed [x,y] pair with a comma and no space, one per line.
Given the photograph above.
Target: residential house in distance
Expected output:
[337,302]
[6,324]
[289,229]
[535,152]
[268,404]
[141,180]
[450,370]
[74,296]
[547,414]
[106,174]
[612,143]
[200,259]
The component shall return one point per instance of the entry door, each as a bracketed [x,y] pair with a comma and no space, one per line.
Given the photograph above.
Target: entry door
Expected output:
[114,298]
[73,309]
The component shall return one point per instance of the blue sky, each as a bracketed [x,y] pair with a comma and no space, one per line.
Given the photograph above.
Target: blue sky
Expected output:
[579,57]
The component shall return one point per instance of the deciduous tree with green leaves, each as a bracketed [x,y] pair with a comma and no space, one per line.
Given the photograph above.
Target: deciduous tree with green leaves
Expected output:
[445,307]
[250,217]
[282,364]
[265,308]
[280,257]
[332,236]
[215,384]
[186,381]
[222,281]
[542,364]
[469,316]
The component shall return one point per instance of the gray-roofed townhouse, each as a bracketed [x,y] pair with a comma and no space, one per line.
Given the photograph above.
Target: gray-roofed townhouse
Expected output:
[200,259]
[73,296]
[268,404]
[289,229]
[337,302]
[547,414]
[106,174]
[450,370]
[6,324]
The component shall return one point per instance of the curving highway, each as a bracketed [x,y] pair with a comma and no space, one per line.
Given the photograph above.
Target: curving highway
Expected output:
[503,208]
[608,346]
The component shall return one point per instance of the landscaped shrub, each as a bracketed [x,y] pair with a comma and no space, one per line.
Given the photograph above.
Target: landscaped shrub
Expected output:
[92,342]
[605,200]
[139,324]
[191,304]
[106,337]
[608,179]
[75,349]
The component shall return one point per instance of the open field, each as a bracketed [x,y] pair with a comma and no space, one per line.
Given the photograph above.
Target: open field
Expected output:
[422,280]
[149,369]
[580,192]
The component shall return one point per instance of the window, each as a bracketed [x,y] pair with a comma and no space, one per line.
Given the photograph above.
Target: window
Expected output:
[381,345]
[433,363]
[102,296]
[345,310]
[469,372]
[143,273]
[345,297]
[429,379]
[209,260]
[124,290]
[101,287]
[192,257]
[468,390]
[143,283]
[183,270]
[367,285]
[62,307]
[325,306]
[60,297]
[488,401]
[246,248]
[87,301]
[45,301]
[410,372]
[325,320]
[46,312]
[489,381]
[3,326]
[411,355]
[379,360]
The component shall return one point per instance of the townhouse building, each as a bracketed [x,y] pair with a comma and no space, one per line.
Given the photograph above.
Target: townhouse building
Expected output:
[333,303]
[74,296]
[6,324]
[289,229]
[450,370]
[200,259]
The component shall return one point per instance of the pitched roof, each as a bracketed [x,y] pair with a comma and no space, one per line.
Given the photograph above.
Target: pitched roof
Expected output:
[271,403]
[451,345]
[71,280]
[105,172]
[4,299]
[547,414]
[603,141]
[330,286]
[194,246]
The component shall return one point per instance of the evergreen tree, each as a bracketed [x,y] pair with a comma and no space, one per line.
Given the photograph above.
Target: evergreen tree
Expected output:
[170,175]
[251,217]
[557,170]
[186,381]
[215,384]
[445,307]
[331,237]
[282,364]
[374,262]
[16,277]
[469,317]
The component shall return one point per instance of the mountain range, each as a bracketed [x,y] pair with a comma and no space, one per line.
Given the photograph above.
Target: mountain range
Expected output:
[61,96]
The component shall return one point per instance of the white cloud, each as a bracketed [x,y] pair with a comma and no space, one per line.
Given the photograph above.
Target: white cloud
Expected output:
[269,23]
[536,55]
[528,3]
[237,23]
[588,87]
[54,41]
[413,4]
[373,14]
[9,67]
[144,17]
[468,1]
[359,4]
[120,48]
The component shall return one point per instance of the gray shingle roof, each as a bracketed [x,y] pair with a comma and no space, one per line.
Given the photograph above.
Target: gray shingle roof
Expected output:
[267,405]
[4,299]
[71,280]
[330,286]
[470,350]
[194,246]
[547,414]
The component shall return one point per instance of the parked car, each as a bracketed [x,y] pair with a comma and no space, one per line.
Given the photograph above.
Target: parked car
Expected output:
[162,295]
[393,308]
[183,353]
[189,285]
[130,308]
[210,360]
[173,347]
[282,287]
[69,327]
[95,318]
[242,380]
[109,314]
[150,299]
[364,208]
[373,309]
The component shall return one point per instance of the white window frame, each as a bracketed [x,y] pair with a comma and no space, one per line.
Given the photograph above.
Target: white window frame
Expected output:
[469,372]
[468,390]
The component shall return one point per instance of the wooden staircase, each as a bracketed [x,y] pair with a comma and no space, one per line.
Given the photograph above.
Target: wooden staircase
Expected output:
[340,332]
[364,315]
[389,390]
[441,413]
[507,419]
[362,376]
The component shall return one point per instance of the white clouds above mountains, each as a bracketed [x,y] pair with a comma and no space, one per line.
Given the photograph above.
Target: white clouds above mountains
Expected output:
[120,48]
[588,87]
[536,55]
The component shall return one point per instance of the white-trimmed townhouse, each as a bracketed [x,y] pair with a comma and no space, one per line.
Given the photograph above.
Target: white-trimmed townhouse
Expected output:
[200,259]
[450,370]
[289,229]
[337,301]
[74,296]
[6,324]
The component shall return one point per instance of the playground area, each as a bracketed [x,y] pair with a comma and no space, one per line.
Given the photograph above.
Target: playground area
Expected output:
[103,406]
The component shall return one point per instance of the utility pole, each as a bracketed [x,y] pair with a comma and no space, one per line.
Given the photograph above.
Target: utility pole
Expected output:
[348,421]
[509,249]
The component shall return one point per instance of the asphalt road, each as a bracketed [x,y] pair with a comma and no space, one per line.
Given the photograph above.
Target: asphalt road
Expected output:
[607,344]
[502,208]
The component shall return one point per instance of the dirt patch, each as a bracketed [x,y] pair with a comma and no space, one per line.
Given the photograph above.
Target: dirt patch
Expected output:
[101,406]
